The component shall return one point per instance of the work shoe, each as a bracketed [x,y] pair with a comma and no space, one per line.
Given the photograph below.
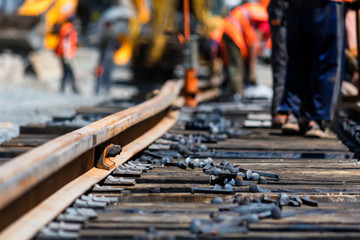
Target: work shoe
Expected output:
[278,120]
[291,125]
[315,130]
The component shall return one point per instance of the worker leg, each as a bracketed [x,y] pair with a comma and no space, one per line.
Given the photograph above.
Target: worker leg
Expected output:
[328,57]
[64,75]
[235,65]
[106,78]
[278,64]
[299,65]
[72,78]
[98,84]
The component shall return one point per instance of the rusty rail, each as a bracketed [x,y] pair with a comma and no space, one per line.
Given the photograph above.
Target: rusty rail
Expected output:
[39,173]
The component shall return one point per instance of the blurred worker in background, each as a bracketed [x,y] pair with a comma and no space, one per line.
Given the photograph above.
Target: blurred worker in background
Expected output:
[160,53]
[66,49]
[120,27]
[315,41]
[108,45]
[277,10]
[240,40]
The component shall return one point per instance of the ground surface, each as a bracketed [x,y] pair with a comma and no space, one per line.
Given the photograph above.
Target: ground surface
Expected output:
[26,98]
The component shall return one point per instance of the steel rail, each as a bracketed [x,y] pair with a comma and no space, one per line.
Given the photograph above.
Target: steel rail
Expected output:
[29,224]
[40,172]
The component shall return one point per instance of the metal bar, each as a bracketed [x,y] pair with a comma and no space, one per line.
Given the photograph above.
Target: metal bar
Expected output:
[191,81]
[187,20]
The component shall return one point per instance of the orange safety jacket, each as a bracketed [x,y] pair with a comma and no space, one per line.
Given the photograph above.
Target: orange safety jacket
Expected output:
[256,12]
[234,30]
[243,16]
[67,41]
[239,26]
[264,3]
[258,17]
[217,36]
[239,29]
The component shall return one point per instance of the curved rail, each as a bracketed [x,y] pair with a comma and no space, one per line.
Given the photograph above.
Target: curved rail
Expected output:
[73,154]
[33,221]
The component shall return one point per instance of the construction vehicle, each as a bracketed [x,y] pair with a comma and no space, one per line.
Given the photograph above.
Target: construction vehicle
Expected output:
[31,25]
[156,54]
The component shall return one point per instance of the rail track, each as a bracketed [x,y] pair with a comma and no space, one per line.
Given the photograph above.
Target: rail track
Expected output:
[216,171]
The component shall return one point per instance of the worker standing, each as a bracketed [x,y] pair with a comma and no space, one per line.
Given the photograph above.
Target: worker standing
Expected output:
[315,41]
[120,27]
[108,45]
[66,51]
[277,10]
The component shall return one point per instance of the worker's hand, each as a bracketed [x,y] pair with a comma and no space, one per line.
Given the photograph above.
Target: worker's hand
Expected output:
[275,22]
[99,70]
[353,52]
[252,78]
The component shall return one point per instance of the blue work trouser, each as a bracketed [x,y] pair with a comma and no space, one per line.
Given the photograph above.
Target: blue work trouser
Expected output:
[107,51]
[104,81]
[315,42]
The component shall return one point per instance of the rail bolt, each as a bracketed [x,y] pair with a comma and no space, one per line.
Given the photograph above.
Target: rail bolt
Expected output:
[104,161]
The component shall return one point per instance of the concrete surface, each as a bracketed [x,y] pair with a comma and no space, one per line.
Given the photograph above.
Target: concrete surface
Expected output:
[26,98]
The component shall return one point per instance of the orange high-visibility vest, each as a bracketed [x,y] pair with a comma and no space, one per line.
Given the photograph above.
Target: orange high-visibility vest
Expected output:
[243,17]
[238,27]
[256,12]
[67,41]
[217,33]
[264,3]
[234,29]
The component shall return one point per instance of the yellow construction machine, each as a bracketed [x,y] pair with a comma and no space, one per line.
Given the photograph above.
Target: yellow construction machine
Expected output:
[31,24]
[156,54]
